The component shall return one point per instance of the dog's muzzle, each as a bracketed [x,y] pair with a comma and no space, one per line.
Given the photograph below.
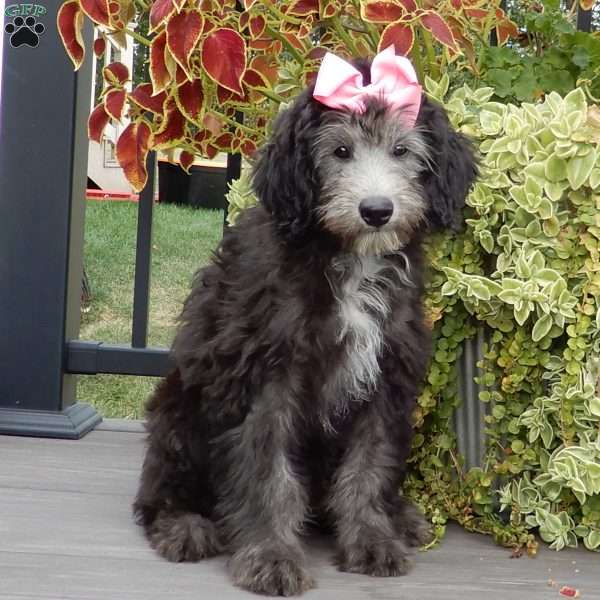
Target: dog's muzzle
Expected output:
[376,211]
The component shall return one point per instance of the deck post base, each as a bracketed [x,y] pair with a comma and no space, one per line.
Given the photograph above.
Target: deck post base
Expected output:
[71,424]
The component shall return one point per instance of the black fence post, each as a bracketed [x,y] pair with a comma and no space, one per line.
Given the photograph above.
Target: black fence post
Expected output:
[143,259]
[584,19]
[43,165]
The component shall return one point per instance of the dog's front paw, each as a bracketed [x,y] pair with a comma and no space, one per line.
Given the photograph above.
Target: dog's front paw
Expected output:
[388,558]
[183,537]
[412,526]
[269,572]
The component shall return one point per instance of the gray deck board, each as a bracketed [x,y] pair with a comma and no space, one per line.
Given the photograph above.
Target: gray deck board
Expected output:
[66,533]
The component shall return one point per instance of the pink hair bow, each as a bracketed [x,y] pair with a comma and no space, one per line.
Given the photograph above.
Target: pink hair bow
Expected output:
[393,79]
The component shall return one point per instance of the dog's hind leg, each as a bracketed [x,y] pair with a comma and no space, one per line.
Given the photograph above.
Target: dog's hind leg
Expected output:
[362,499]
[262,502]
[173,499]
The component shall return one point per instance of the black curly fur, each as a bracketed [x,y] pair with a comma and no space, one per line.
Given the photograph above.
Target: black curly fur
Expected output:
[239,458]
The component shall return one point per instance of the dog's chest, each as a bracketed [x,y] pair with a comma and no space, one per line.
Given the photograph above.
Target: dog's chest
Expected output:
[363,295]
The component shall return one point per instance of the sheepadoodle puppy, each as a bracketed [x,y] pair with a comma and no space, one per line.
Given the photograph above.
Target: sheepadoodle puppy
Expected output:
[301,350]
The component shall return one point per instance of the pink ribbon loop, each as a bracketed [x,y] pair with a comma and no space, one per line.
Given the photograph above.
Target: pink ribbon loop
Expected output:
[393,79]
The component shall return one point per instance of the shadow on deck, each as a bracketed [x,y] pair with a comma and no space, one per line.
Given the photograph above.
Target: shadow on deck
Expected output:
[66,532]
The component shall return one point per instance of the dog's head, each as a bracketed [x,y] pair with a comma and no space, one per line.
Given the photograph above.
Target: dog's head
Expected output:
[365,178]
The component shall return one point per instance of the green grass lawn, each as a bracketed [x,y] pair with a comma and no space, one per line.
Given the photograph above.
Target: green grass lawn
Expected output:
[183,239]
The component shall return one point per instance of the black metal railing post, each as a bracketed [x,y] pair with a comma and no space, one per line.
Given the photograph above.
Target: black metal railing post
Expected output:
[584,19]
[43,165]
[143,259]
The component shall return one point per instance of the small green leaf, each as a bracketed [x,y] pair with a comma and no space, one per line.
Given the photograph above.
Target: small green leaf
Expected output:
[551,227]
[487,241]
[556,169]
[517,446]
[579,169]
[522,313]
[541,328]
[479,290]
[575,100]
[592,540]
[545,208]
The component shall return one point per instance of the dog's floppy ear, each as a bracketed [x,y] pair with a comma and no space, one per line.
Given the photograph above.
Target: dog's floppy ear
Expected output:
[284,178]
[453,166]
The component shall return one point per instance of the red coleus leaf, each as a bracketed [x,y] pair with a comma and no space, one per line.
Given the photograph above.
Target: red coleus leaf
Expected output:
[399,35]
[328,9]
[477,13]
[410,5]
[381,12]
[186,160]
[294,41]
[172,129]
[306,28]
[223,142]
[301,8]
[97,121]
[183,33]
[96,10]
[257,26]
[114,103]
[309,78]
[99,47]
[317,53]
[161,10]
[142,96]
[114,8]
[439,29]
[159,73]
[200,137]
[69,21]
[210,151]
[115,74]
[506,29]
[224,58]
[248,148]
[254,78]
[132,150]
[464,43]
[224,95]
[190,99]
[180,76]
[263,44]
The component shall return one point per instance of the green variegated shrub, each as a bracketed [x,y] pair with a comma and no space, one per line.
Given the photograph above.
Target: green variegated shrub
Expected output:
[526,269]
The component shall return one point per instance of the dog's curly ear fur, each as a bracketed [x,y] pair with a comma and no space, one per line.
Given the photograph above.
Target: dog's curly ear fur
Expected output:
[453,170]
[284,178]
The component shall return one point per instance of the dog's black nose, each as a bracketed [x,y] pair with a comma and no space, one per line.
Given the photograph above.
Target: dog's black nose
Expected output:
[376,210]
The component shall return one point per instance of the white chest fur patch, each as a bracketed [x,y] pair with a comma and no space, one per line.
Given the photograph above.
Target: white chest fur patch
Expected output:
[363,302]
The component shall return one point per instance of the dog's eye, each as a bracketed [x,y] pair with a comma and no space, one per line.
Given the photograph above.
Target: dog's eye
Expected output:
[342,152]
[400,150]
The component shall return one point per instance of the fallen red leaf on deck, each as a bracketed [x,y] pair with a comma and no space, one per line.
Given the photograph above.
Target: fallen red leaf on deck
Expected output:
[569,592]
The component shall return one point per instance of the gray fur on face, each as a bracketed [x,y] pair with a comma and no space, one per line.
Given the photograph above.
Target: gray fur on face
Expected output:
[371,170]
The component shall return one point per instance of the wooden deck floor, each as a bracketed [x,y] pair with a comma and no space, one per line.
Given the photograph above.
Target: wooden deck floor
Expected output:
[66,532]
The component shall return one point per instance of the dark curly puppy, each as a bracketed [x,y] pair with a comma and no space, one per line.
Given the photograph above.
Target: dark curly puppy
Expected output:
[301,351]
